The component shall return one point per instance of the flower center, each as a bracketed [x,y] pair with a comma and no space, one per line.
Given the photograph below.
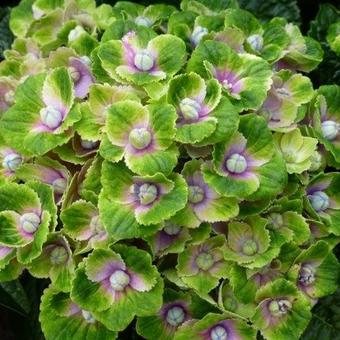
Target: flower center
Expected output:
[119,280]
[196,194]
[58,255]
[74,73]
[204,261]
[88,144]
[249,247]
[171,229]
[329,129]
[51,117]
[30,222]
[75,33]
[255,41]
[218,333]
[12,161]
[236,163]
[88,316]
[276,220]
[307,275]
[279,307]
[144,60]
[319,201]
[190,109]
[140,138]
[198,33]
[59,185]
[9,97]
[147,193]
[175,316]
[143,21]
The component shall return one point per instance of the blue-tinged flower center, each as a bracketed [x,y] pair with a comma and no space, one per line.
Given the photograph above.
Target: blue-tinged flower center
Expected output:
[143,21]
[329,129]
[74,73]
[198,33]
[51,117]
[249,247]
[307,274]
[236,163]
[119,280]
[140,138]
[196,194]
[218,333]
[75,33]
[88,316]
[12,161]
[59,185]
[276,220]
[319,201]
[147,193]
[144,60]
[30,222]
[255,41]
[88,144]
[58,255]
[279,307]
[190,108]
[316,161]
[171,229]
[175,316]
[204,261]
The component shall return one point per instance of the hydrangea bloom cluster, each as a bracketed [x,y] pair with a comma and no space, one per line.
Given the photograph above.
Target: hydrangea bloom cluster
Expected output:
[169,166]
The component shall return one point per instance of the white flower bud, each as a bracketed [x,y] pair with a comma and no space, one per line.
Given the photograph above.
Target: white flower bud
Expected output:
[190,108]
[319,201]
[255,41]
[330,129]
[12,161]
[88,316]
[218,333]
[175,316]
[30,222]
[75,33]
[147,193]
[198,33]
[236,163]
[140,138]
[51,117]
[144,60]
[119,280]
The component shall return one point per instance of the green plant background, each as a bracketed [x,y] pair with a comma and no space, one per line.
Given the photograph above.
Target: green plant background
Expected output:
[19,300]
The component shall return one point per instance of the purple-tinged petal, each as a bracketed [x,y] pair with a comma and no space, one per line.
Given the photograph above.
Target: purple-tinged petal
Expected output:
[138,283]
[4,251]
[105,270]
[81,76]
